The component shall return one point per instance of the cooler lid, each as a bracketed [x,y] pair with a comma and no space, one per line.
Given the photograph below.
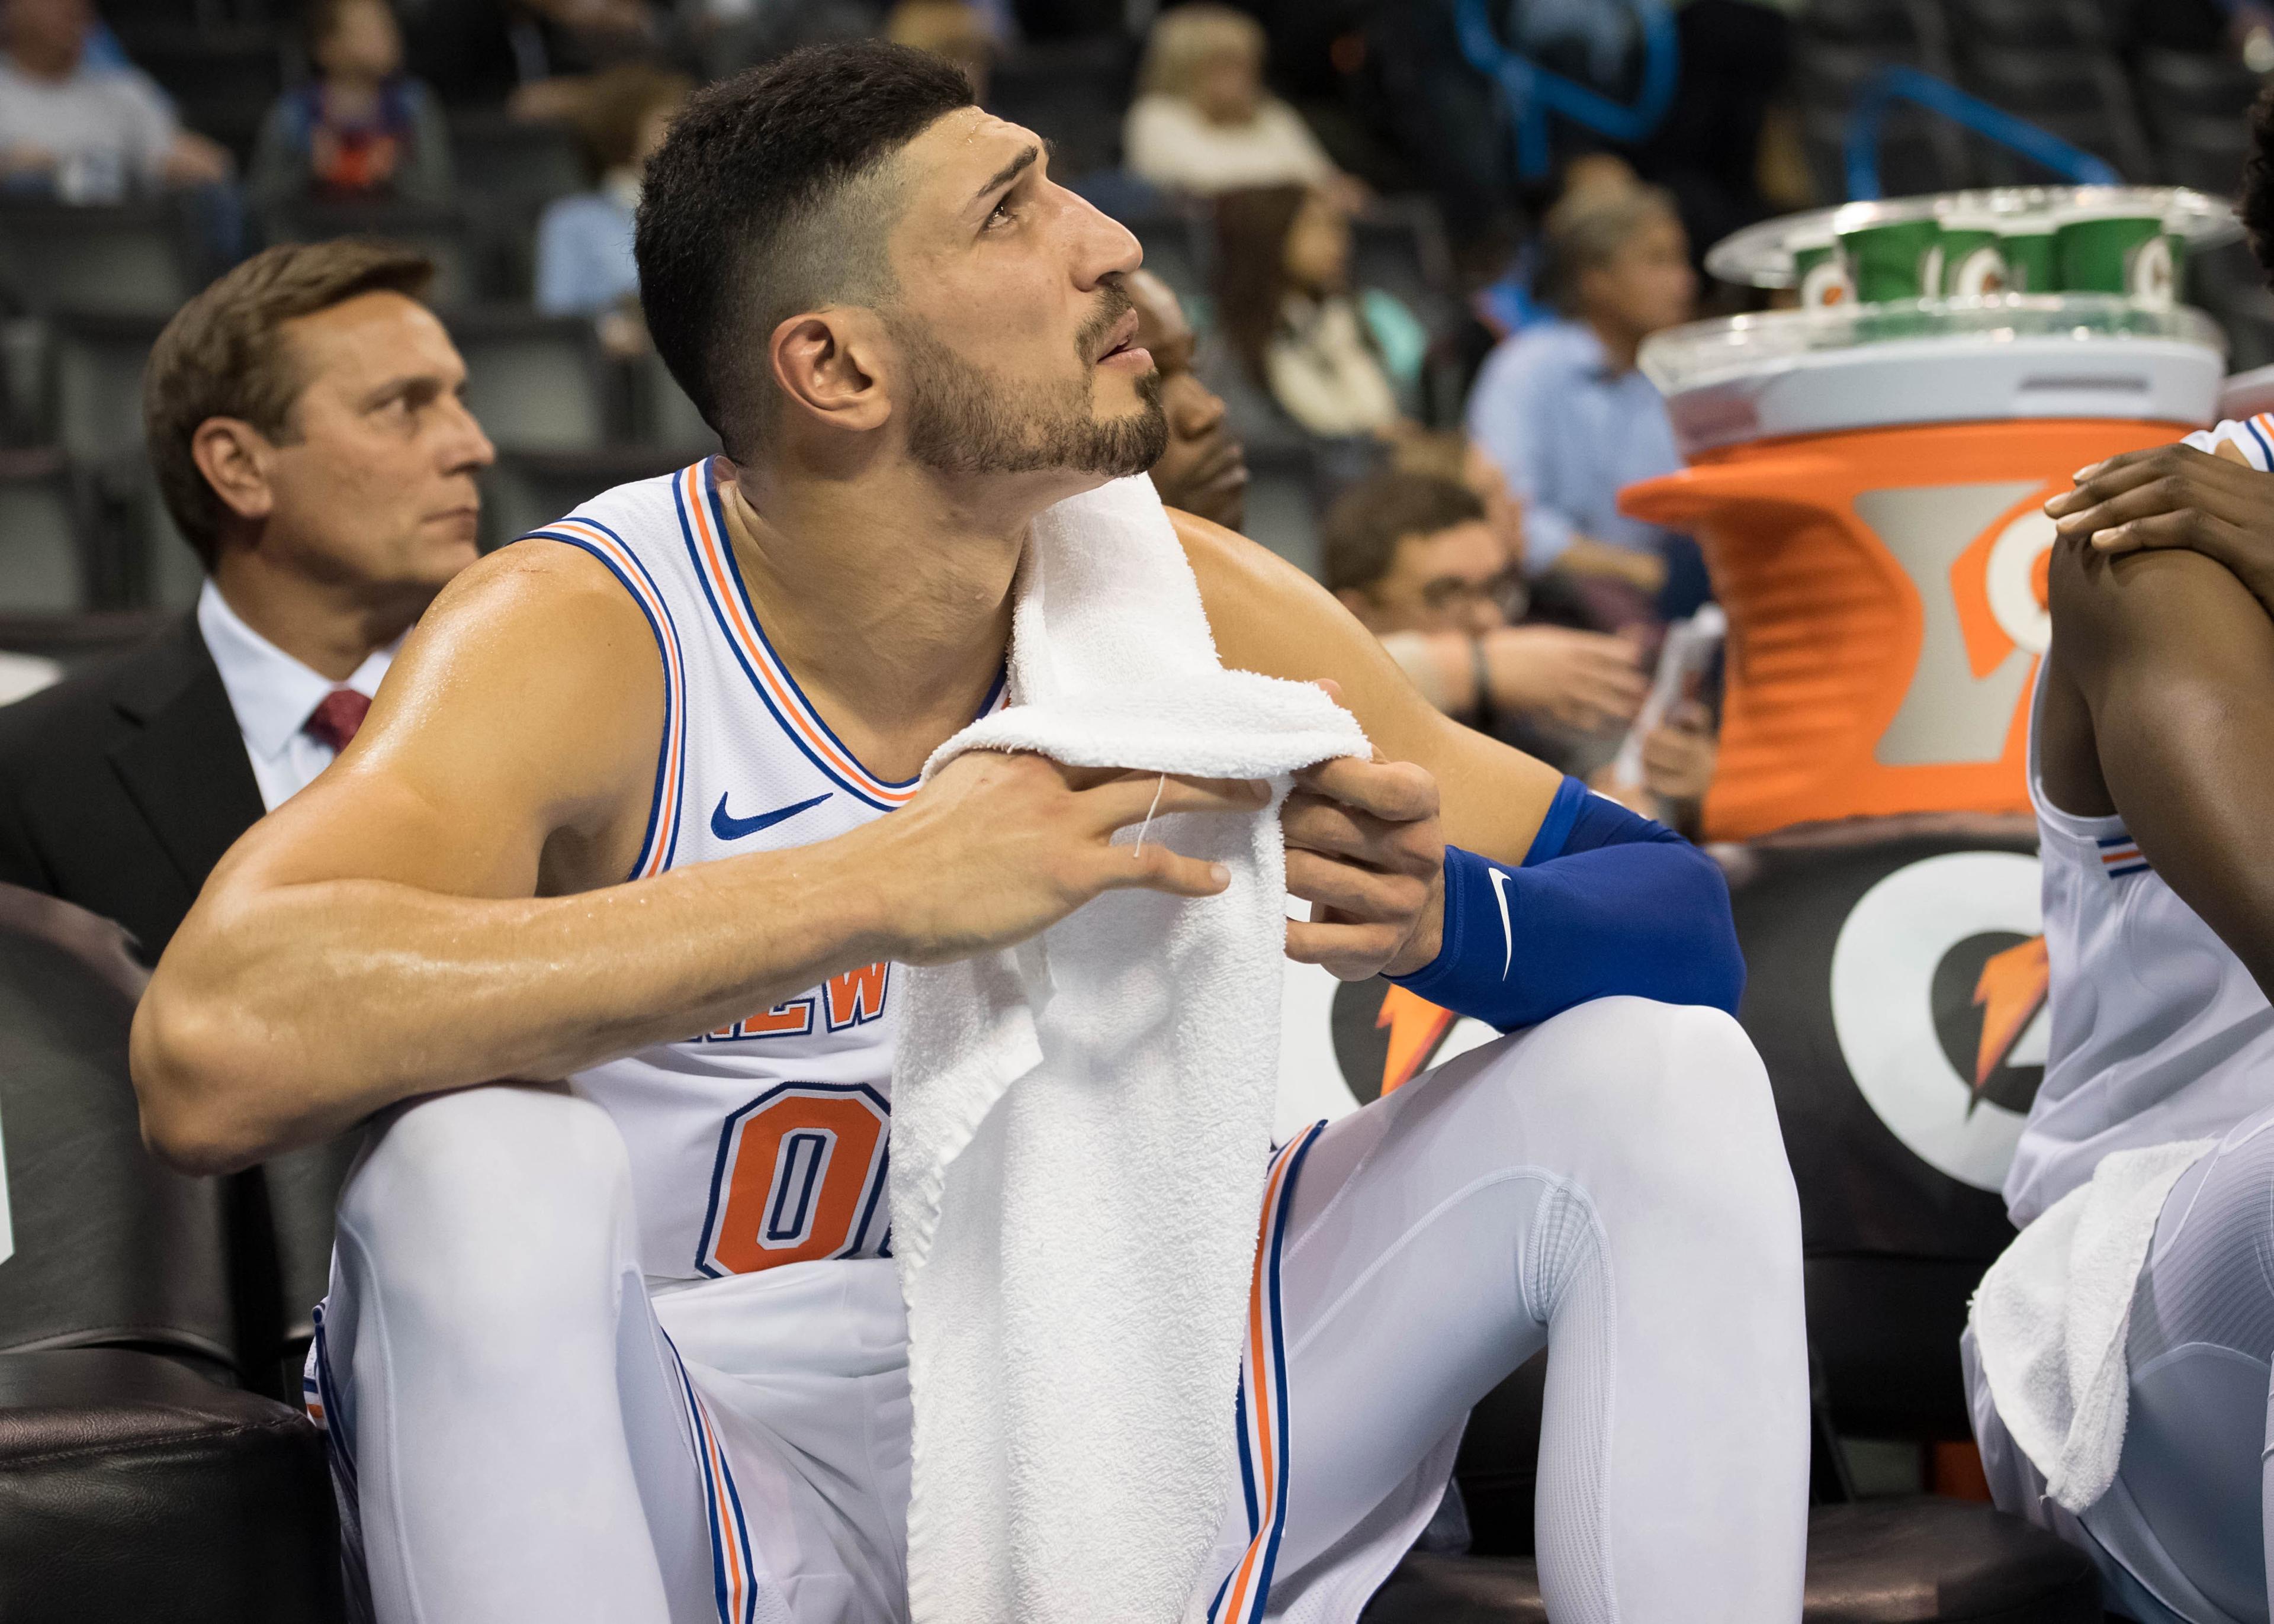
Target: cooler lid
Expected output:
[1761,255]
[2008,355]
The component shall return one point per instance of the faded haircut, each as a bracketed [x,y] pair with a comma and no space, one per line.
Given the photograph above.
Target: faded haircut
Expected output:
[774,194]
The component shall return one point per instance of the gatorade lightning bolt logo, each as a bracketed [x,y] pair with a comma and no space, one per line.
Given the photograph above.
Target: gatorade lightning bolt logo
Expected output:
[1415,1026]
[1939,979]
[2009,992]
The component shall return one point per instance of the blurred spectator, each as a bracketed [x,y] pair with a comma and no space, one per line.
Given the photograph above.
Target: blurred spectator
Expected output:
[529,55]
[1559,405]
[727,36]
[1332,356]
[584,265]
[1418,562]
[1678,759]
[954,29]
[87,133]
[1204,470]
[360,128]
[1203,123]
[303,418]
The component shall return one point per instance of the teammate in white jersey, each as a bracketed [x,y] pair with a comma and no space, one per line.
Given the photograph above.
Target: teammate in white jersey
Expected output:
[2151,763]
[635,826]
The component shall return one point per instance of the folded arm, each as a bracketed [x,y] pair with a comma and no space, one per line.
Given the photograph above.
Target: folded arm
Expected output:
[2160,707]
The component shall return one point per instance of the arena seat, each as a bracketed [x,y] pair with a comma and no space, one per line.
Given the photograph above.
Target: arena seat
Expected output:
[662,414]
[2187,84]
[1282,510]
[47,557]
[1909,1561]
[1398,246]
[104,1245]
[223,80]
[1072,93]
[443,235]
[2041,25]
[514,163]
[97,403]
[1873,22]
[528,488]
[120,259]
[535,383]
[131,1488]
[1177,247]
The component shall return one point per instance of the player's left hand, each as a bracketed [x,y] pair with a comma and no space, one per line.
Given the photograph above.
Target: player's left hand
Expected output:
[2175,496]
[1365,849]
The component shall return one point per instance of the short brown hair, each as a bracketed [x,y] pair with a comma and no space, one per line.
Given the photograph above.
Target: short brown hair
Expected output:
[223,356]
[1368,521]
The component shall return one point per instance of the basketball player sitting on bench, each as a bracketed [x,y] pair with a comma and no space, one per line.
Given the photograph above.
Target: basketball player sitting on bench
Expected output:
[718,683]
[2152,767]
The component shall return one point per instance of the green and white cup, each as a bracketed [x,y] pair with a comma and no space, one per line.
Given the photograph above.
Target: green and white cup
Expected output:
[1973,257]
[1890,257]
[2028,242]
[1819,271]
[2111,248]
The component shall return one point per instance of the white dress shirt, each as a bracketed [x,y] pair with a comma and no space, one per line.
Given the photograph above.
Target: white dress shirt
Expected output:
[273,695]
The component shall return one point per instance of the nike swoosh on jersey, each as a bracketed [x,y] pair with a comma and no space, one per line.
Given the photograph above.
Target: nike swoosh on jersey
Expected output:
[735,827]
[1507,936]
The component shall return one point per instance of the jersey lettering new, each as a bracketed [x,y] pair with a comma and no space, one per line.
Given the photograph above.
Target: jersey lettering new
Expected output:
[763,1141]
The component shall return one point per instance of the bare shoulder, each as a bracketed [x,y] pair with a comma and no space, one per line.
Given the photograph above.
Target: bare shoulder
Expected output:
[2164,602]
[517,728]
[1269,616]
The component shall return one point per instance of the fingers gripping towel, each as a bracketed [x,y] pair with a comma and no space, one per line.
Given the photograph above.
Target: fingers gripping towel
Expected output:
[1081,1125]
[2051,1315]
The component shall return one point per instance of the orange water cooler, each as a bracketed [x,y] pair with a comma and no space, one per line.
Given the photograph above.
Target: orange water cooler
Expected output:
[1869,496]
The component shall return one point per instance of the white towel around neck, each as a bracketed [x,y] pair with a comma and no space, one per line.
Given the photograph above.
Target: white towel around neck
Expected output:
[1080,1124]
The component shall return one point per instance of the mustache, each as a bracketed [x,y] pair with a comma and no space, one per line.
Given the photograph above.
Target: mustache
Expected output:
[1113,302]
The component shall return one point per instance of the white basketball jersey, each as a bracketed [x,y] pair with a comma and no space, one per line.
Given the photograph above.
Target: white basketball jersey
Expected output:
[764,1142]
[2159,1031]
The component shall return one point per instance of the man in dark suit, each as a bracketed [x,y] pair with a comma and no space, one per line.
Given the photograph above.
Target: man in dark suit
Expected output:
[303,418]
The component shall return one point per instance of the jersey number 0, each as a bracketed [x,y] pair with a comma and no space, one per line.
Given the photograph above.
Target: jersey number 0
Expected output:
[799,1175]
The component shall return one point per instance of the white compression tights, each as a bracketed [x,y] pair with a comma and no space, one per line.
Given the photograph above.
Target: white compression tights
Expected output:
[1611,1183]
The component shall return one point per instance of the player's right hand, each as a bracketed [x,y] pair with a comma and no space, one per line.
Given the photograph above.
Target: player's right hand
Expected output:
[999,847]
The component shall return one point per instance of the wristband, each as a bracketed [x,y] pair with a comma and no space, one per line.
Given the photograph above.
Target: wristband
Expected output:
[1605,903]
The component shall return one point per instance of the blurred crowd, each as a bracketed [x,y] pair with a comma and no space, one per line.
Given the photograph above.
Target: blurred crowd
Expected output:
[1390,349]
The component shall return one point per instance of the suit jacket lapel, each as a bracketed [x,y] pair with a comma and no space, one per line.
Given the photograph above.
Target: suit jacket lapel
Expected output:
[185,768]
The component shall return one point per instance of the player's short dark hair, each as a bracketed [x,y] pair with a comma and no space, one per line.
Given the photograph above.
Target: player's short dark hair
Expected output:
[2256,205]
[763,203]
[1368,521]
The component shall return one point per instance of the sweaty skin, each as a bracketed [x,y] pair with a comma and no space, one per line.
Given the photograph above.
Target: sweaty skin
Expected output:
[445,906]
[2159,706]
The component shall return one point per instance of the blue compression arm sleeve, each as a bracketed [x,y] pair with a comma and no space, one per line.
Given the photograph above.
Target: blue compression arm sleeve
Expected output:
[1605,903]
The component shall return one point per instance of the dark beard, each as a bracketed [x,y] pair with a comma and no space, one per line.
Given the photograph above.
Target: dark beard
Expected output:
[964,419]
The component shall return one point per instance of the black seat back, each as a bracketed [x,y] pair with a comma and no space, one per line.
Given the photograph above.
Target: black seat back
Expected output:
[105,1246]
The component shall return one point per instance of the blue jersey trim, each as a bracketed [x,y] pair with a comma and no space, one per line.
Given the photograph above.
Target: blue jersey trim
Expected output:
[718,613]
[674,705]
[742,590]
[2265,449]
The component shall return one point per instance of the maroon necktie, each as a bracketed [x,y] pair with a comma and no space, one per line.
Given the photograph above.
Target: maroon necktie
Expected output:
[336,720]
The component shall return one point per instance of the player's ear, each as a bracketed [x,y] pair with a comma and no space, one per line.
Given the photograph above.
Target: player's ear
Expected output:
[824,363]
